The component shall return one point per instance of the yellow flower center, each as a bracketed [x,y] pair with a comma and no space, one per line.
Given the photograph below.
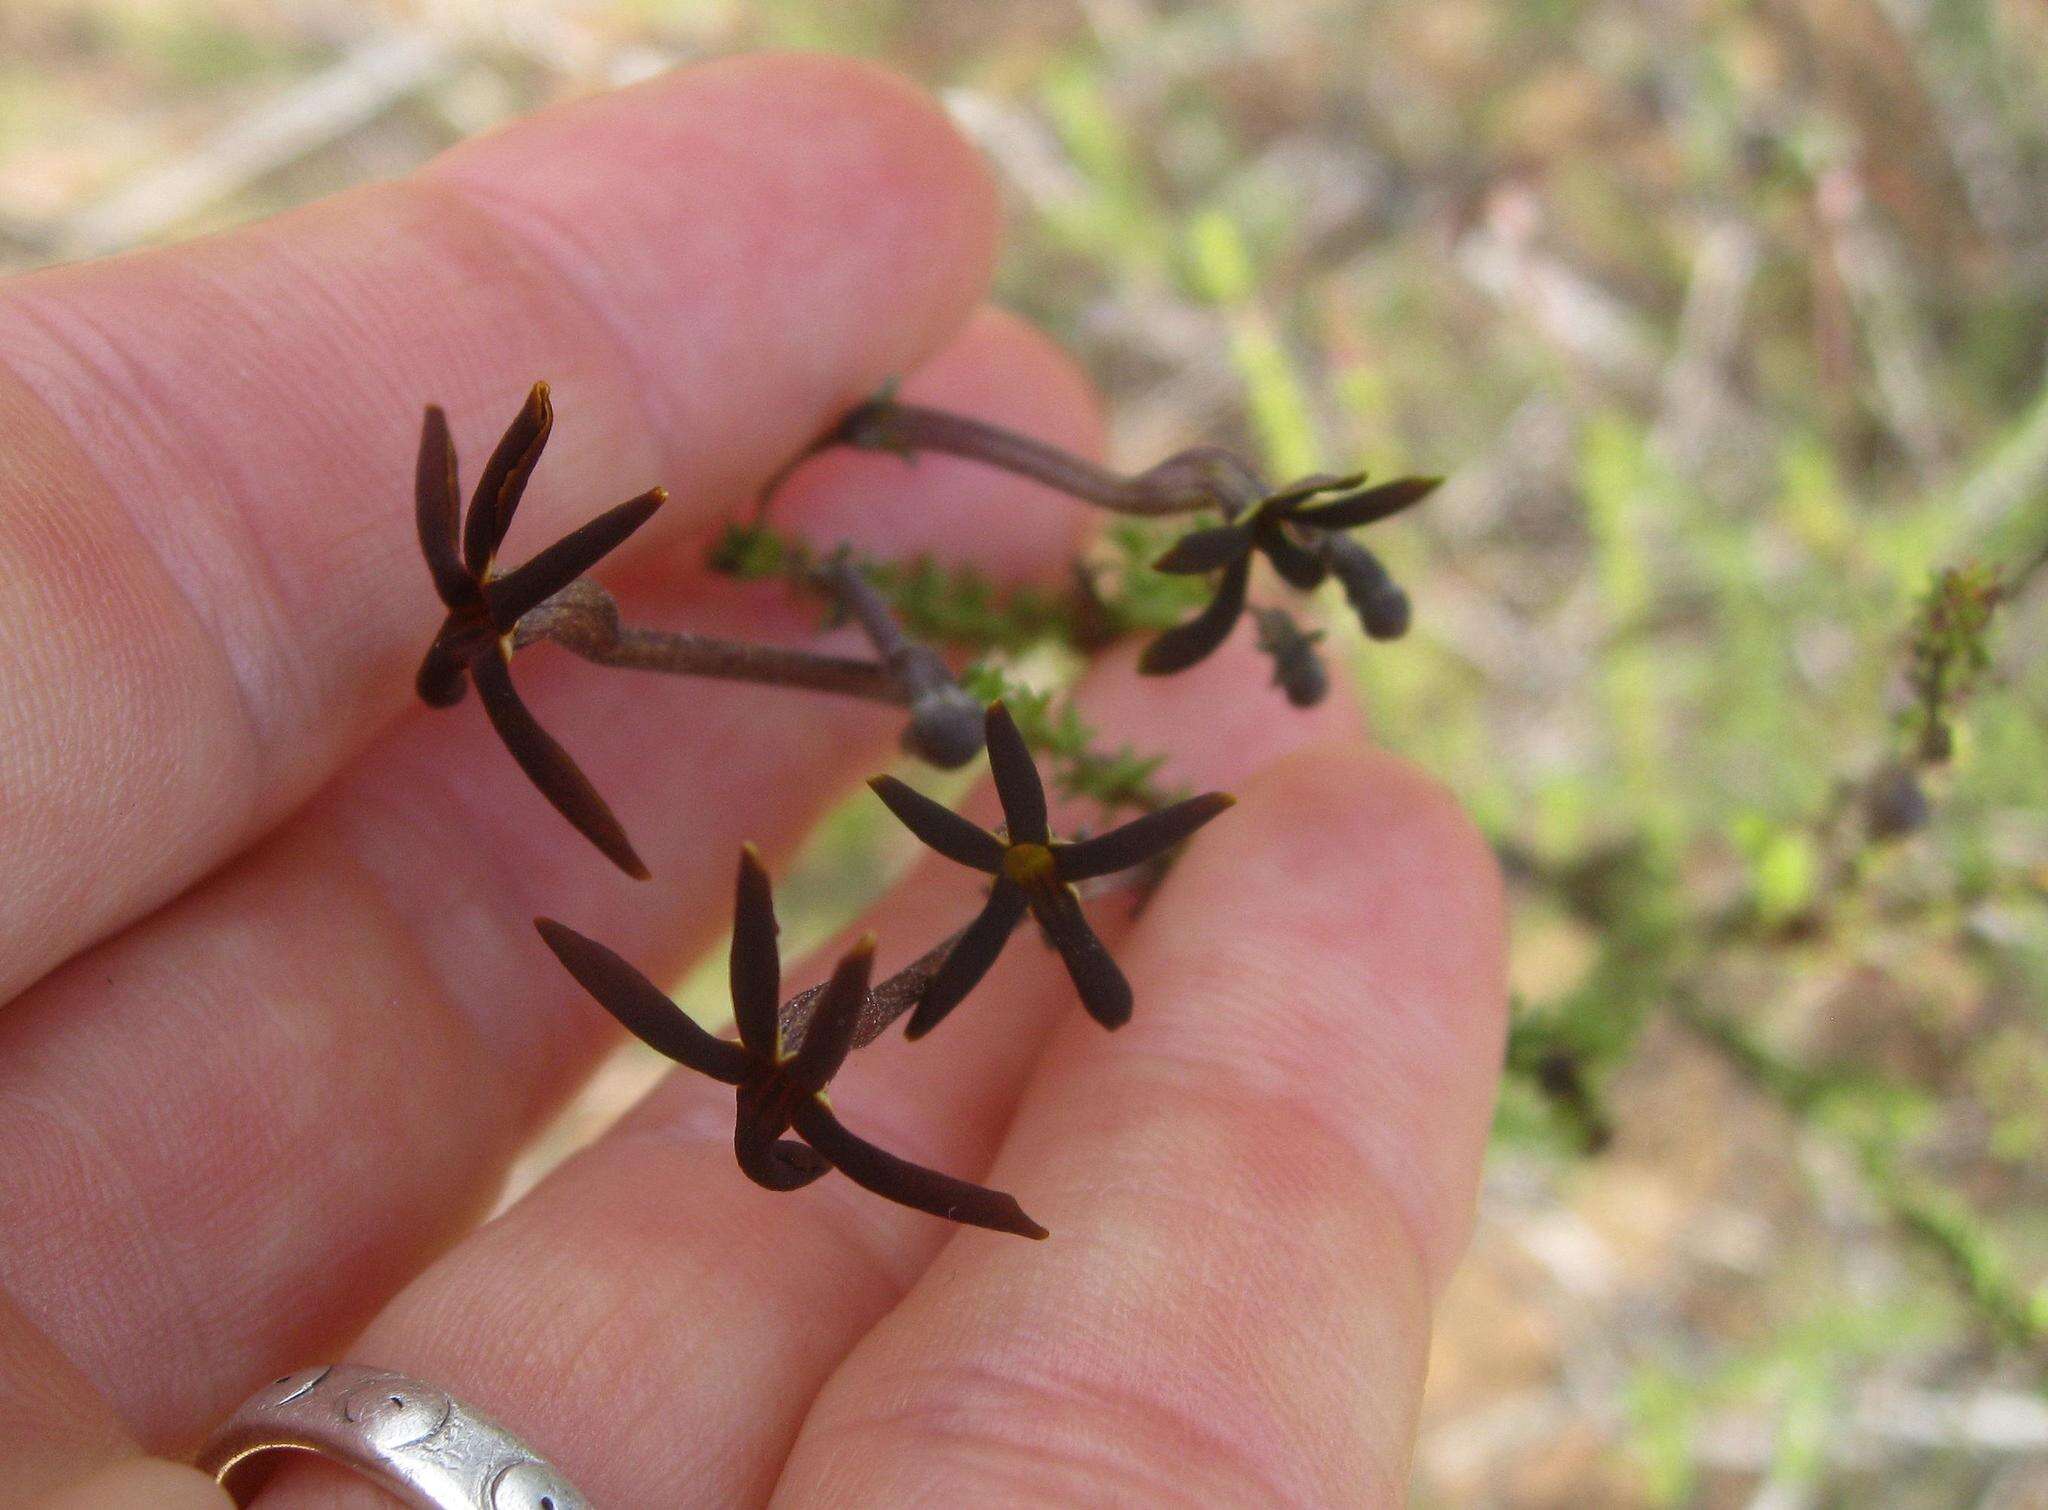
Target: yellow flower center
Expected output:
[1028,864]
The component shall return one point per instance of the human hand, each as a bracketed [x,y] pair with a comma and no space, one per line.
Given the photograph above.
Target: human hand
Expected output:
[279,1019]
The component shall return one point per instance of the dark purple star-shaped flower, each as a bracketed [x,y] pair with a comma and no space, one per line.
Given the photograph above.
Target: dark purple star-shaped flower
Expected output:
[1304,544]
[780,1087]
[1033,874]
[484,605]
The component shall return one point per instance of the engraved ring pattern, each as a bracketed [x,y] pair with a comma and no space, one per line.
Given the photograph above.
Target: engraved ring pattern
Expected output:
[413,1438]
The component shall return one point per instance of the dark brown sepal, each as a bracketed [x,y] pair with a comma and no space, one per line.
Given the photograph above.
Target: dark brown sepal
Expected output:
[1104,991]
[1016,774]
[527,587]
[909,1184]
[939,827]
[504,479]
[1205,550]
[755,965]
[547,764]
[437,511]
[970,959]
[1186,644]
[1139,840]
[1371,505]
[829,1039]
[641,1007]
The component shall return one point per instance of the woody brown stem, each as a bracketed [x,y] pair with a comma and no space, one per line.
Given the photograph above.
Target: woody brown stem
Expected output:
[584,619]
[1204,477]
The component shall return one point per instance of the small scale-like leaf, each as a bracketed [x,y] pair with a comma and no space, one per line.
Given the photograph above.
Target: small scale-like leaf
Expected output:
[755,968]
[504,479]
[525,589]
[437,511]
[1205,550]
[939,827]
[1370,506]
[1186,644]
[1104,991]
[1139,840]
[970,959]
[1017,783]
[910,1184]
[547,764]
[641,1007]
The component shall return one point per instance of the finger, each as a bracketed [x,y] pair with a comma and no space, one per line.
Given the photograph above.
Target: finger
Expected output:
[265,1107]
[1254,1189]
[649,1257]
[206,548]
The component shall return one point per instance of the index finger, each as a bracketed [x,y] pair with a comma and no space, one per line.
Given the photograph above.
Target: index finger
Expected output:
[207,558]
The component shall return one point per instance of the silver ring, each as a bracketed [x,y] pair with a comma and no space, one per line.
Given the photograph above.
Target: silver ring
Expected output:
[414,1439]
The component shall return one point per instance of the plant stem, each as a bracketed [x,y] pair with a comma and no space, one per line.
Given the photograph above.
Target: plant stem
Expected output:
[1203,477]
[584,619]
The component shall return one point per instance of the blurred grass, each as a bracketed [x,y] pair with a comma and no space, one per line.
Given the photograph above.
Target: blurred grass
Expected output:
[1727,322]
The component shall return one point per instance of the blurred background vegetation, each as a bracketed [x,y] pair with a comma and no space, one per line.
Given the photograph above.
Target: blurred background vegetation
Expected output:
[1728,320]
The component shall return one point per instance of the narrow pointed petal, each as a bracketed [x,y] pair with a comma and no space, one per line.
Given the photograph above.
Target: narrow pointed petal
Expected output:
[548,766]
[756,964]
[1382,607]
[1181,647]
[1302,569]
[525,589]
[1104,991]
[970,958]
[443,677]
[503,482]
[1309,486]
[766,1157]
[437,509]
[1016,773]
[910,1184]
[1372,505]
[938,826]
[1206,550]
[1139,840]
[641,1007]
[829,1038]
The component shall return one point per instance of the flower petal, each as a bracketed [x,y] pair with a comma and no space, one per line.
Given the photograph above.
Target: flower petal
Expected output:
[547,764]
[442,678]
[1370,506]
[1017,783]
[829,1038]
[1309,486]
[519,592]
[910,1184]
[755,968]
[766,1157]
[970,959]
[503,482]
[1181,647]
[437,510]
[1104,991]
[641,1007]
[1139,840]
[1302,569]
[939,827]
[1205,550]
